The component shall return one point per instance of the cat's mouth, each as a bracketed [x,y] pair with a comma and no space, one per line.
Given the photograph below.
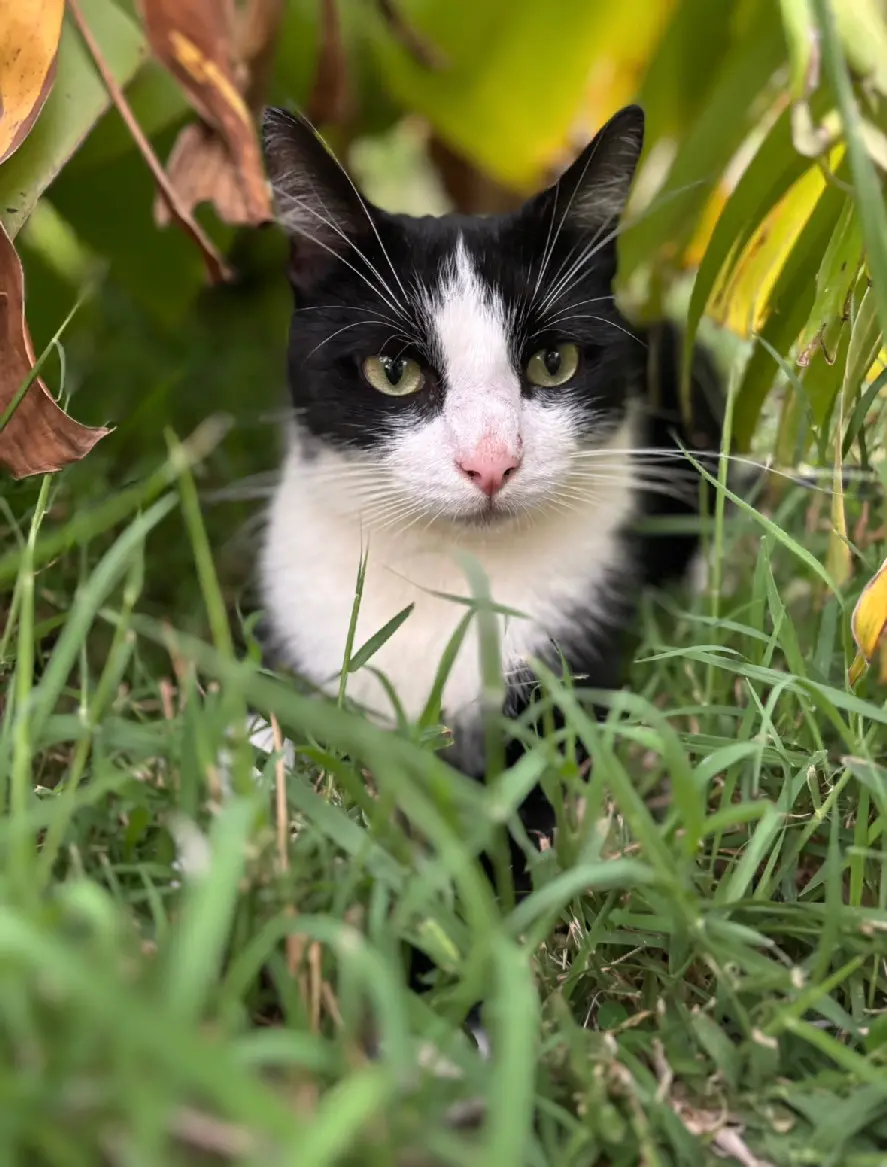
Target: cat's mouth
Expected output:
[491,514]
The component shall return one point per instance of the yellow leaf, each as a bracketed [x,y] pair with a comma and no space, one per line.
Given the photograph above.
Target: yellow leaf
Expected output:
[197,42]
[740,297]
[29,41]
[696,249]
[878,367]
[524,78]
[868,621]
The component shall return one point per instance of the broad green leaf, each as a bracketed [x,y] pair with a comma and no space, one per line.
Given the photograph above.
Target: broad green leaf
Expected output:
[800,33]
[791,302]
[775,166]
[836,276]
[863,33]
[865,341]
[865,344]
[111,207]
[866,187]
[682,72]
[628,43]
[514,83]
[741,299]
[729,113]
[78,99]
[156,101]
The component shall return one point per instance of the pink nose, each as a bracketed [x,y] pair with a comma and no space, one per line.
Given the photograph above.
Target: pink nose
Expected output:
[489,468]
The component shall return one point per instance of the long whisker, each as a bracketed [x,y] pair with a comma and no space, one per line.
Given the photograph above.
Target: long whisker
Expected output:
[390,298]
[599,319]
[345,328]
[649,457]
[577,187]
[348,308]
[562,283]
[582,304]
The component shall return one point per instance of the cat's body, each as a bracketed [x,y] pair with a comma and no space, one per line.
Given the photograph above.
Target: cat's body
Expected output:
[467,386]
[567,575]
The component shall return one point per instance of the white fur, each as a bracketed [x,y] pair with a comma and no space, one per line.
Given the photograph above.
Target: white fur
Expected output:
[483,402]
[412,510]
[541,568]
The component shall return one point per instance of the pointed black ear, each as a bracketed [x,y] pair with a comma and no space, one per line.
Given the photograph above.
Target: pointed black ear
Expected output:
[316,202]
[592,193]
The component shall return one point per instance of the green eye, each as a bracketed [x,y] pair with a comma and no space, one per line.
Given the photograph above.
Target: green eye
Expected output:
[553,366]
[396,376]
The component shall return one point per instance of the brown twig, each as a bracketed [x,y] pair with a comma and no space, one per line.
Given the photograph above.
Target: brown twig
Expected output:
[295,945]
[218,270]
[280,789]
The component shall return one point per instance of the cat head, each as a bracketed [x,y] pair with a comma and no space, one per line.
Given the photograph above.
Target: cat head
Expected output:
[456,369]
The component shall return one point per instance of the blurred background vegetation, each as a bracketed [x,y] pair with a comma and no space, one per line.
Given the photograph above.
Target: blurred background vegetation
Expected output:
[750,214]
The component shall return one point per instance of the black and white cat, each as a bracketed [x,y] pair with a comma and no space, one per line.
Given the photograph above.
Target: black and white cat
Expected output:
[468,385]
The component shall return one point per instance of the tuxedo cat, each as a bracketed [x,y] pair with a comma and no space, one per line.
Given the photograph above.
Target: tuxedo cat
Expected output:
[467,385]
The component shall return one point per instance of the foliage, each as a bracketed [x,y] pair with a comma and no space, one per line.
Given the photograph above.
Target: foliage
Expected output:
[196,962]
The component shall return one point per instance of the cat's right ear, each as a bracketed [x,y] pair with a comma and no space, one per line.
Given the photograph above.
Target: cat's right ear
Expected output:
[316,202]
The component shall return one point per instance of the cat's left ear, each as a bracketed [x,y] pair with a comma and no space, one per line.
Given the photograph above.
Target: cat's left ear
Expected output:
[592,193]
[317,203]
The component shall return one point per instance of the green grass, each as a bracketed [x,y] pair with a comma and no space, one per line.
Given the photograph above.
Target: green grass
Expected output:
[193,964]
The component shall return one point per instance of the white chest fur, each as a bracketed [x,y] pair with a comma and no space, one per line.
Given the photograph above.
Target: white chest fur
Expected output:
[543,568]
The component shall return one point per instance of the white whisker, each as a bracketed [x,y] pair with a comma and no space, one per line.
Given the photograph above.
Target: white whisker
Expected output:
[389,298]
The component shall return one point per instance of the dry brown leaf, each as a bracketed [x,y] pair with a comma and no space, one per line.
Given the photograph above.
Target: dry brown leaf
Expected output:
[216,267]
[204,44]
[39,437]
[29,42]
[201,171]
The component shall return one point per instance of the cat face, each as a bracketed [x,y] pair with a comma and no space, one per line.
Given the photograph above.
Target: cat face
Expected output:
[457,369]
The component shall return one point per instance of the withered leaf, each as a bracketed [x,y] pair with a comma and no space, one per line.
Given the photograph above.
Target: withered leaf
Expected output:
[39,437]
[29,41]
[201,171]
[197,40]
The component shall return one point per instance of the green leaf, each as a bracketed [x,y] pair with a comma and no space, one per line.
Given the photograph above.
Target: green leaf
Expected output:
[78,99]
[486,102]
[684,69]
[791,303]
[375,642]
[111,206]
[729,113]
[799,35]
[770,174]
[156,102]
[863,34]
[836,276]
[866,187]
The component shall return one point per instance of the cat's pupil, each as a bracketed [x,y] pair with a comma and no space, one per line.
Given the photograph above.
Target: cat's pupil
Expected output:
[393,369]
[552,361]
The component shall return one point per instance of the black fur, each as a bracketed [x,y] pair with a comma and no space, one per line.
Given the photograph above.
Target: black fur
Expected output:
[340,317]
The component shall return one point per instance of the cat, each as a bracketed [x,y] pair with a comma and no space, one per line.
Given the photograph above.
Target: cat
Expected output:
[467,385]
